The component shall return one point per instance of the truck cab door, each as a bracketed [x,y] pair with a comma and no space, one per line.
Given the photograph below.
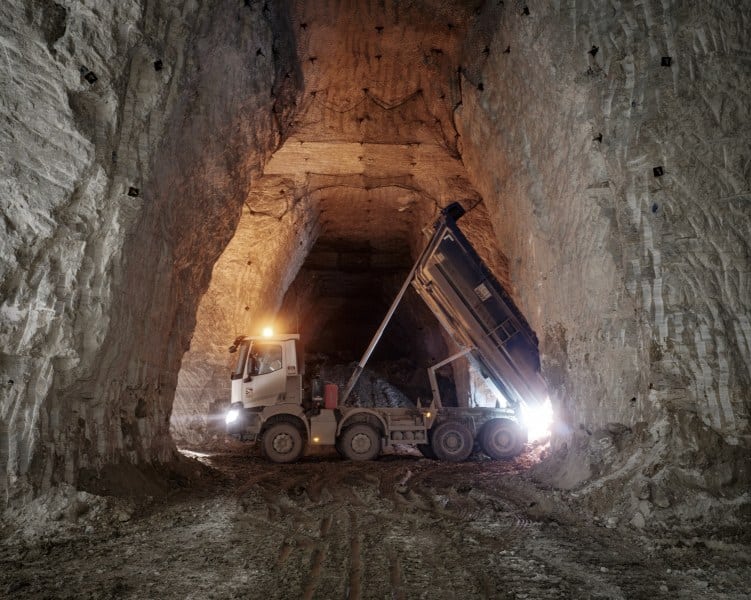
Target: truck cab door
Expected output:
[266,379]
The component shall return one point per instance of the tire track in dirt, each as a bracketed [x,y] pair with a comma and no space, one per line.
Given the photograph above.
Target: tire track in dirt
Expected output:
[597,561]
[394,501]
[486,586]
[307,500]
[316,562]
[471,509]
[355,568]
[318,556]
[284,553]
[375,501]
[395,577]
[339,529]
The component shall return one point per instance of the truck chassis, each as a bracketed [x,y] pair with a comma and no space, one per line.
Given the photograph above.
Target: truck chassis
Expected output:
[451,434]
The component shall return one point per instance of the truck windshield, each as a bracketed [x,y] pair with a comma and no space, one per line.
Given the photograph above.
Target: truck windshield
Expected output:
[242,355]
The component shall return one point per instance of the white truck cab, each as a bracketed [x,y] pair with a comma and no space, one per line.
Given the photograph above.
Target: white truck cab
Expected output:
[262,373]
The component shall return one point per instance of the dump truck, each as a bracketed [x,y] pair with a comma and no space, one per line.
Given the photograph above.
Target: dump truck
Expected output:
[271,405]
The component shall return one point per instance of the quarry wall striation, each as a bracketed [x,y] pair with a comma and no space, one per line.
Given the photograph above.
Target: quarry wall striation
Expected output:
[610,142]
[131,133]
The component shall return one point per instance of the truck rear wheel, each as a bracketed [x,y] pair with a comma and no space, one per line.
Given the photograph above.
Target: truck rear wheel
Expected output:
[452,441]
[360,442]
[282,443]
[501,438]
[338,446]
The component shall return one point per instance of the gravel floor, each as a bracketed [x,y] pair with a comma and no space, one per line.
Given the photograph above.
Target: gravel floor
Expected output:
[400,527]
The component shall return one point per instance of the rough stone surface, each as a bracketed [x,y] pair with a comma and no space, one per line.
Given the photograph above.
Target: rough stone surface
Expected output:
[610,143]
[123,179]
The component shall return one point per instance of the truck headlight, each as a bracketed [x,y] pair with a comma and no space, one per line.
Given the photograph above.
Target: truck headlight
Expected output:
[232,416]
[538,420]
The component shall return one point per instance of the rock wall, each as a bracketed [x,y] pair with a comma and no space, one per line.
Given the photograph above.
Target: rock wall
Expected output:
[131,134]
[611,144]
[247,286]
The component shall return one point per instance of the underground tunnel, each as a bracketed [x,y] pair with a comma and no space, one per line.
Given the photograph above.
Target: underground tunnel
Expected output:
[178,174]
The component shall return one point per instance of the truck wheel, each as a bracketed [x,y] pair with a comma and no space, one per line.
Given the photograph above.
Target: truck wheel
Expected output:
[282,443]
[338,446]
[360,442]
[501,438]
[452,441]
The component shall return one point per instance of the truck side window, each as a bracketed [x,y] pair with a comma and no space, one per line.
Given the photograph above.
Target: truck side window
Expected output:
[267,358]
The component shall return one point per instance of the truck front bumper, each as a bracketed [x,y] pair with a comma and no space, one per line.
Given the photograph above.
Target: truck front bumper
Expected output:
[242,422]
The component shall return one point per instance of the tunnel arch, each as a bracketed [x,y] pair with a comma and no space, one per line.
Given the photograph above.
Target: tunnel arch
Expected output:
[360,136]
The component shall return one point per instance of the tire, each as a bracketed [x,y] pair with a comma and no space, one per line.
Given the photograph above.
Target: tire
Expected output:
[452,441]
[282,443]
[501,438]
[338,446]
[427,451]
[360,441]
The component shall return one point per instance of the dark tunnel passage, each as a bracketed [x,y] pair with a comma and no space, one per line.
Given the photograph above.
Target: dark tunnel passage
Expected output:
[339,297]
[337,303]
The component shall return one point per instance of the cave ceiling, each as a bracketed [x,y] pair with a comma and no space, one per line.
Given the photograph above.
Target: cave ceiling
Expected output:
[372,148]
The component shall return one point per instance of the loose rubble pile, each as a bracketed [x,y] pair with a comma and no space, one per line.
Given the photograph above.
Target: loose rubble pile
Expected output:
[370,390]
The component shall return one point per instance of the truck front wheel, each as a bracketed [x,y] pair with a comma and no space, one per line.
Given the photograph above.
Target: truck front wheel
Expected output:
[502,438]
[360,442]
[452,441]
[282,443]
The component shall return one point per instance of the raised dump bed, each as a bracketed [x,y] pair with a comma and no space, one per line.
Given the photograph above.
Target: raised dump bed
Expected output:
[478,313]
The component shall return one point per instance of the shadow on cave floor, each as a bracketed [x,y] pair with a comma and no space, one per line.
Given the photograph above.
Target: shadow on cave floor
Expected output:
[400,527]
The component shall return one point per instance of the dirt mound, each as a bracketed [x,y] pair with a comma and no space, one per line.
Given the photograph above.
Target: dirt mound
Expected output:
[370,390]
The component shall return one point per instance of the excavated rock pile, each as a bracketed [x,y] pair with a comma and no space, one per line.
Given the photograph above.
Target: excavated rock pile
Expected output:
[370,390]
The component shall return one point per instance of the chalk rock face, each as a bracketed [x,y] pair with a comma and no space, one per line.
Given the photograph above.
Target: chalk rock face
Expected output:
[175,173]
[130,135]
[611,146]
